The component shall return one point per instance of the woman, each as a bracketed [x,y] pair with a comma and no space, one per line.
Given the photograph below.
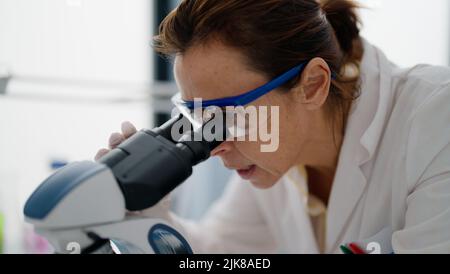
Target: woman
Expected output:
[364,149]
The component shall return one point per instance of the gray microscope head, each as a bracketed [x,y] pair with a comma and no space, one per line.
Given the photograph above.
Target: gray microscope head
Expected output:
[81,194]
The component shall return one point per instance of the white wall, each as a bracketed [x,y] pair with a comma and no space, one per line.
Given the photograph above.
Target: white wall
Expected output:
[80,68]
[95,40]
[35,132]
[409,31]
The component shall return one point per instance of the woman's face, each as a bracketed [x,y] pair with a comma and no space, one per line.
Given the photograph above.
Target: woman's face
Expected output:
[214,71]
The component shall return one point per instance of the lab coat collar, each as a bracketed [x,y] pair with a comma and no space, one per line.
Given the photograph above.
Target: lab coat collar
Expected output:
[364,130]
[373,77]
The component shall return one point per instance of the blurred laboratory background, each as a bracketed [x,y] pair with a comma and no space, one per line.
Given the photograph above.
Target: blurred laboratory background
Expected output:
[72,70]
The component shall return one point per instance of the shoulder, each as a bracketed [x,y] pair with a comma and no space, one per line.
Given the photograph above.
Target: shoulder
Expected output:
[420,82]
[423,92]
[432,75]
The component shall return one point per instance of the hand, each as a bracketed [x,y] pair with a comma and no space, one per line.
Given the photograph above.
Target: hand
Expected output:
[128,130]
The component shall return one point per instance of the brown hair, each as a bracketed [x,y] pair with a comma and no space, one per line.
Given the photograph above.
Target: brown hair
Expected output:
[275,35]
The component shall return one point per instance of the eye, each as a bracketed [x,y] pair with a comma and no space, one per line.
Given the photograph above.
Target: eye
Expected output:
[210,112]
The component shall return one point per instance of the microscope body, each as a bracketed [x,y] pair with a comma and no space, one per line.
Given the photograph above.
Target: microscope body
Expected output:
[85,207]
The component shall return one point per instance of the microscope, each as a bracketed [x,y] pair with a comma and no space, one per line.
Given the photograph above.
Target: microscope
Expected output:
[85,207]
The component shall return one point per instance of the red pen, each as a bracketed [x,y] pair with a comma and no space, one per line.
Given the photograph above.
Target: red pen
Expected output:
[356,249]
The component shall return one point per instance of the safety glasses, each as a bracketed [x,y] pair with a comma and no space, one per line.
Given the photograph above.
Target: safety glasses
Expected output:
[239,117]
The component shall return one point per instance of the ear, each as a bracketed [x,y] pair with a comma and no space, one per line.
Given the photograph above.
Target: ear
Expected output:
[315,83]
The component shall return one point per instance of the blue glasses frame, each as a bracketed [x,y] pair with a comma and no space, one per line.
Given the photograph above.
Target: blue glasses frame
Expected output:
[251,96]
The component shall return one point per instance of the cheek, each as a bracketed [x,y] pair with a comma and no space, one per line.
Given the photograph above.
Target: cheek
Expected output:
[246,148]
[288,132]
[271,163]
[284,157]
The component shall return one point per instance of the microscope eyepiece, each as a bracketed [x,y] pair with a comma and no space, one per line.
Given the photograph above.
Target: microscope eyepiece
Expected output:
[151,164]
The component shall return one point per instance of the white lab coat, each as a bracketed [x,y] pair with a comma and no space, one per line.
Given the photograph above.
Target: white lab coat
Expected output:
[392,184]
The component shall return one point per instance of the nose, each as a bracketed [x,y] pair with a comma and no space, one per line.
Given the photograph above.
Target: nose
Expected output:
[224,148]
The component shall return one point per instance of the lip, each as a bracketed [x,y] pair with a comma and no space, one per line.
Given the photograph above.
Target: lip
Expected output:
[247,174]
